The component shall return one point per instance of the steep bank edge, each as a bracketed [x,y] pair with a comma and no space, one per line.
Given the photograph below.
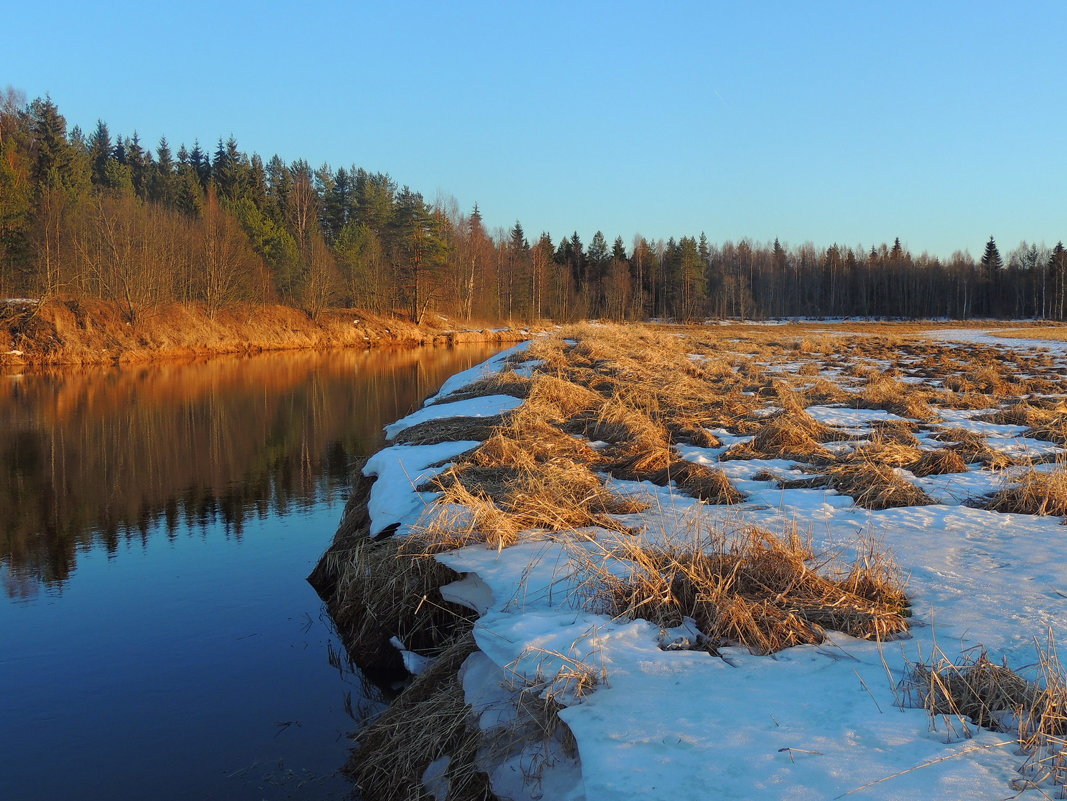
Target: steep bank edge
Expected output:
[372,623]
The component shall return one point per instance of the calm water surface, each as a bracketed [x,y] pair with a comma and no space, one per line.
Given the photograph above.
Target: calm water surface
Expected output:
[157,637]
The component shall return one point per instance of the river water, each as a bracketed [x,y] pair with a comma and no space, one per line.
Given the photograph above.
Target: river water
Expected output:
[157,637]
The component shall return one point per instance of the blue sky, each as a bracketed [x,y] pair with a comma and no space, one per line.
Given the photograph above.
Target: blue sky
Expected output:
[942,123]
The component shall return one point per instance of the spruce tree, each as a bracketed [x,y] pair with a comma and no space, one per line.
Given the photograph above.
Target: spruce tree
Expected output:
[991,258]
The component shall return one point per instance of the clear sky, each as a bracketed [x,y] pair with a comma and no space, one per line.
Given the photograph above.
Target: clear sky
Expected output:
[942,123]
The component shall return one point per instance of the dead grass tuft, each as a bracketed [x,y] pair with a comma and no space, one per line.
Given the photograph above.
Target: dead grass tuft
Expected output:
[886,452]
[448,429]
[506,382]
[826,391]
[526,438]
[973,687]
[1034,493]
[745,588]
[786,436]
[876,486]
[558,495]
[897,397]
[542,696]
[996,696]
[709,484]
[939,462]
[391,588]
[558,399]
[901,431]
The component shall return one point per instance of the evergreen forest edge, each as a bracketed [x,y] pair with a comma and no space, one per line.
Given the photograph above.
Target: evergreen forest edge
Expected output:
[91,216]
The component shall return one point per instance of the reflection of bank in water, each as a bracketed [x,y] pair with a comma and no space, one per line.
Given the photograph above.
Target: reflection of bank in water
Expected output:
[97,456]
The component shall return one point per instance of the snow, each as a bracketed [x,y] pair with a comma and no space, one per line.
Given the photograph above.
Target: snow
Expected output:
[467,377]
[399,470]
[843,417]
[811,722]
[484,406]
[980,336]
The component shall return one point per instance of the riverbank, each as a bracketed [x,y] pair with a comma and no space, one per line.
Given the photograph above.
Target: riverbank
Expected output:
[639,562]
[96,332]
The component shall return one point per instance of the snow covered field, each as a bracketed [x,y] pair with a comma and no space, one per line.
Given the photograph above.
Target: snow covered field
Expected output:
[656,715]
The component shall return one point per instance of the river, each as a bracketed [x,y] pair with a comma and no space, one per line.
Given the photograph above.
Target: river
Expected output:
[157,637]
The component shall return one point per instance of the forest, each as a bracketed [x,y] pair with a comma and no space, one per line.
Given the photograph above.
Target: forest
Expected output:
[107,216]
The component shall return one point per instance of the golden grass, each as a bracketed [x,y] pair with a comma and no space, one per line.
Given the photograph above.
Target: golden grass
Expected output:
[1053,333]
[876,486]
[785,436]
[938,462]
[448,429]
[392,588]
[559,399]
[746,588]
[506,382]
[1033,493]
[640,390]
[899,431]
[887,452]
[897,397]
[824,390]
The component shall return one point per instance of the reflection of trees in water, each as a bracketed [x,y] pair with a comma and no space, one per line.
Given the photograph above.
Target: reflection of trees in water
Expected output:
[105,456]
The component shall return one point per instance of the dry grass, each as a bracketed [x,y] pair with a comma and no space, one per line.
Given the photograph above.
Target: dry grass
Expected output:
[897,397]
[558,399]
[900,431]
[997,697]
[392,588]
[709,484]
[620,423]
[1021,413]
[782,437]
[826,391]
[1053,429]
[745,588]
[506,382]
[640,389]
[973,687]
[938,462]
[559,681]
[876,486]
[886,452]
[1034,493]
[428,721]
[448,429]
[1052,333]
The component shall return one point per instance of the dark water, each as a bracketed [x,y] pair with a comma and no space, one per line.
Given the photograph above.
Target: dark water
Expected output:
[157,637]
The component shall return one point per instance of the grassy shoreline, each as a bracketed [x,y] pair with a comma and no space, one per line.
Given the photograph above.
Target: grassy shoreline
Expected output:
[87,332]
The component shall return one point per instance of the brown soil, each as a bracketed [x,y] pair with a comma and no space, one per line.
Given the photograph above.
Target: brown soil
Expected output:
[96,332]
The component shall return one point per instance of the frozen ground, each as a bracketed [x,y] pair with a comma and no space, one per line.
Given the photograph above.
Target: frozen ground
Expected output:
[811,722]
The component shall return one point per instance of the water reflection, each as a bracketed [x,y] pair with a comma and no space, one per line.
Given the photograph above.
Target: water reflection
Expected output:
[94,458]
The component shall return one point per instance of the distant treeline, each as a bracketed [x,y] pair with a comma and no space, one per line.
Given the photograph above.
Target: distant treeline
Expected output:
[105,216]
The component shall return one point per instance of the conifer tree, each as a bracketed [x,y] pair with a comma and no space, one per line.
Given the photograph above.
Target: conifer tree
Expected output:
[991,257]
